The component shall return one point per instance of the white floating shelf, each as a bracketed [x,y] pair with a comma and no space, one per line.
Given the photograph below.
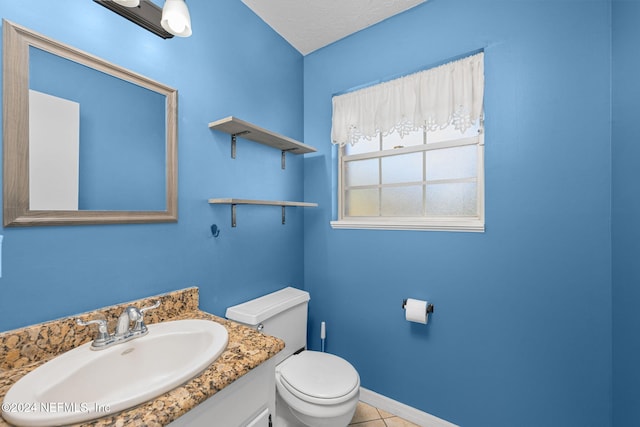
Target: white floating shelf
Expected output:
[239,128]
[261,202]
[282,203]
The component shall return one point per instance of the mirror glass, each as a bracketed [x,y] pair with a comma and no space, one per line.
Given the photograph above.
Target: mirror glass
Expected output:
[85,141]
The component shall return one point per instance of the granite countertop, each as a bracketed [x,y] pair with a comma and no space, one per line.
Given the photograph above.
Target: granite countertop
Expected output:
[23,350]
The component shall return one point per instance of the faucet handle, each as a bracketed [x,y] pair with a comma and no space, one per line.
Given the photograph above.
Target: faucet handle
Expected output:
[151,307]
[103,333]
[140,327]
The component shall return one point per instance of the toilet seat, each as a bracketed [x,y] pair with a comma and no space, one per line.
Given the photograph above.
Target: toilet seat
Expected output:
[319,378]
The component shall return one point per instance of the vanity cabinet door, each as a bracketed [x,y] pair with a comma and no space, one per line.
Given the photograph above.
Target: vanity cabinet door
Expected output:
[247,402]
[262,420]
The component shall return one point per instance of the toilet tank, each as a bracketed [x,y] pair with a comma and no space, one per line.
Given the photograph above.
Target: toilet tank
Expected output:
[282,314]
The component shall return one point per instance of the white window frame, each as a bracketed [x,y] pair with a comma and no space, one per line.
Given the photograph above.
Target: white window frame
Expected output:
[422,223]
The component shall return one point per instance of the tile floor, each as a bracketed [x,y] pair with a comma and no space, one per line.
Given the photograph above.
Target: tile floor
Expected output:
[369,416]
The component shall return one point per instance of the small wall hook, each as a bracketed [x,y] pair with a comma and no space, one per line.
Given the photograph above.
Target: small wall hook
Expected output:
[215,231]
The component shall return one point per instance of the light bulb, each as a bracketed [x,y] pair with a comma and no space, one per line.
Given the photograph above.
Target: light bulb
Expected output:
[177,24]
[128,3]
[175,18]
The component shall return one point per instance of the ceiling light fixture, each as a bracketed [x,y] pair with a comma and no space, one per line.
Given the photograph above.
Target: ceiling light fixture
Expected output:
[175,18]
[146,14]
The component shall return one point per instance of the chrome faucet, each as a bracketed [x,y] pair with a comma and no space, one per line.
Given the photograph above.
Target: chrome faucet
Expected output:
[130,314]
[124,331]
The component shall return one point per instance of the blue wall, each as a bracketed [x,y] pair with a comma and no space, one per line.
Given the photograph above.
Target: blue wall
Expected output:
[234,64]
[626,210]
[521,334]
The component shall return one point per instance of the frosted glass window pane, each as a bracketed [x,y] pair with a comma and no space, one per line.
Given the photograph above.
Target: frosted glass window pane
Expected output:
[402,201]
[451,163]
[457,199]
[402,168]
[363,146]
[364,202]
[362,172]
[450,133]
[393,140]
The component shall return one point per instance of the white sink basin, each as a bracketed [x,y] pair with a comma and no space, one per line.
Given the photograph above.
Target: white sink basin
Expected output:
[83,384]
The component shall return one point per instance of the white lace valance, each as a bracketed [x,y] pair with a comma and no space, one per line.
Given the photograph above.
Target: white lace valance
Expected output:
[451,94]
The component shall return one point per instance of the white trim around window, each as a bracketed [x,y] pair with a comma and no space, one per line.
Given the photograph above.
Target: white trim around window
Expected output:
[423,223]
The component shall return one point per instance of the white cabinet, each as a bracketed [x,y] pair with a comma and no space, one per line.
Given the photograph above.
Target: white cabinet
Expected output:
[263,419]
[247,402]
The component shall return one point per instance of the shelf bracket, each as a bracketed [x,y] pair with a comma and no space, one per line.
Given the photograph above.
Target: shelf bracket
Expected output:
[233,215]
[284,157]
[233,142]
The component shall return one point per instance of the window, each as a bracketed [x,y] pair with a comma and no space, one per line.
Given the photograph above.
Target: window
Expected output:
[412,177]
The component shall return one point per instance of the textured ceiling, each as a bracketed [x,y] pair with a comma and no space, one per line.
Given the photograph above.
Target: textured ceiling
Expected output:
[311,24]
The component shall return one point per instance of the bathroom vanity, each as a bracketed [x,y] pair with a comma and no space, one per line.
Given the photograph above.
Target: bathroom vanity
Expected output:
[237,389]
[247,402]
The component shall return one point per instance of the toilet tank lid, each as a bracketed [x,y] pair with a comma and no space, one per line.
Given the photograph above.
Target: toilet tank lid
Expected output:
[257,310]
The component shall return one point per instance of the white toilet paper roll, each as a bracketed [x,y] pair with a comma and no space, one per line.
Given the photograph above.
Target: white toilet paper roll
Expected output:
[416,311]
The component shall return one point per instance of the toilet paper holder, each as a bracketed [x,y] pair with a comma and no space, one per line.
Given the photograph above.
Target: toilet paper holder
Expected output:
[429,306]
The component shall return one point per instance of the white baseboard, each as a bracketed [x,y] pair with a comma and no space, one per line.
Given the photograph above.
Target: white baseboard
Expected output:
[414,415]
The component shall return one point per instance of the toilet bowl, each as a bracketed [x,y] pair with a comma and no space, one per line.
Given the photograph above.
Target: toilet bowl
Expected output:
[319,389]
[313,389]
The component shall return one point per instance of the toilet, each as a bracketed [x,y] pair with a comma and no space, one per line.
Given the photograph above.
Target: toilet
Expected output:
[313,389]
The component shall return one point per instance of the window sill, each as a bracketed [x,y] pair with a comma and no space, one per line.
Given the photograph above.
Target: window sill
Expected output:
[465,225]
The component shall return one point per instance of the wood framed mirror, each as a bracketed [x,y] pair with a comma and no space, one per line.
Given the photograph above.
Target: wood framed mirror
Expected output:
[123,162]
